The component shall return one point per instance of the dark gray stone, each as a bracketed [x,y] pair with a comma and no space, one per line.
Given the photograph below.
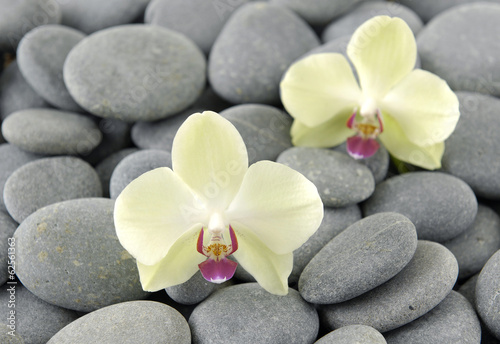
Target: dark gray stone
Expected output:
[15,93]
[453,321]
[256,46]
[440,206]
[47,181]
[130,322]
[36,321]
[362,257]
[106,167]
[418,288]
[460,46]
[468,289]
[7,228]
[335,220]
[341,180]
[51,132]
[135,72]
[477,244]
[193,291]
[246,313]
[473,150]
[68,254]
[264,129]
[378,163]
[353,334]
[487,291]
[43,68]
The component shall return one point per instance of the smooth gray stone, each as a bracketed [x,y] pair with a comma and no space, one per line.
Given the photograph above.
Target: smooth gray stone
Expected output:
[348,23]
[428,9]
[318,12]
[11,158]
[47,181]
[106,167]
[418,288]
[341,180]
[193,291]
[487,291]
[20,16]
[460,46]
[51,132]
[453,321]
[264,129]
[468,289]
[246,313]
[36,321]
[335,220]
[15,92]
[477,244]
[472,152]
[440,206]
[200,20]
[378,163]
[7,228]
[134,165]
[130,322]
[9,338]
[43,68]
[255,47]
[135,72]
[363,256]
[353,334]
[93,15]
[68,254]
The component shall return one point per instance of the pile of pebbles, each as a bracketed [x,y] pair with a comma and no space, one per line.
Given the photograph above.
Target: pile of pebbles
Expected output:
[91,96]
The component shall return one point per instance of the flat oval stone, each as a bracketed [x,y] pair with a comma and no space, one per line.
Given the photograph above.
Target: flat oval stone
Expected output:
[264,129]
[265,318]
[362,257]
[135,164]
[487,291]
[107,76]
[423,283]
[128,323]
[440,206]
[7,228]
[43,68]
[475,142]
[377,163]
[47,181]
[106,167]
[353,334]
[477,244]
[255,47]
[68,255]
[460,46]
[51,132]
[7,338]
[454,320]
[341,181]
[193,291]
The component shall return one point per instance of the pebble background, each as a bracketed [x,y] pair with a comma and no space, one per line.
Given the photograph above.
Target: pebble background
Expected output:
[91,96]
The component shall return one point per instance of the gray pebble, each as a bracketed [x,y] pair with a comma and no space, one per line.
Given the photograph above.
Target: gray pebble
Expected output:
[468,289]
[106,167]
[7,228]
[473,150]
[348,23]
[460,46]
[7,338]
[36,321]
[15,93]
[453,321]
[135,72]
[51,132]
[477,244]
[440,206]
[353,334]
[130,322]
[254,49]
[418,288]
[193,291]
[335,220]
[341,181]
[264,128]
[246,313]
[362,257]
[47,181]
[487,291]
[68,254]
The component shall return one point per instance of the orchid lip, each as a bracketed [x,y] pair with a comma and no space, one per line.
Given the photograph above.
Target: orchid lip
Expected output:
[364,144]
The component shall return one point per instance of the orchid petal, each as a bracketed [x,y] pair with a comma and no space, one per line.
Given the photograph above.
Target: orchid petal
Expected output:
[396,142]
[425,107]
[383,51]
[278,204]
[269,269]
[152,212]
[319,87]
[360,148]
[178,266]
[210,156]
[218,271]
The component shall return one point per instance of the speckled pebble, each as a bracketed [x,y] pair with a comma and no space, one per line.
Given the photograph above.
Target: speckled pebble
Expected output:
[487,291]
[106,167]
[193,291]
[340,180]
[353,334]
[7,228]
[378,163]
[6,338]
